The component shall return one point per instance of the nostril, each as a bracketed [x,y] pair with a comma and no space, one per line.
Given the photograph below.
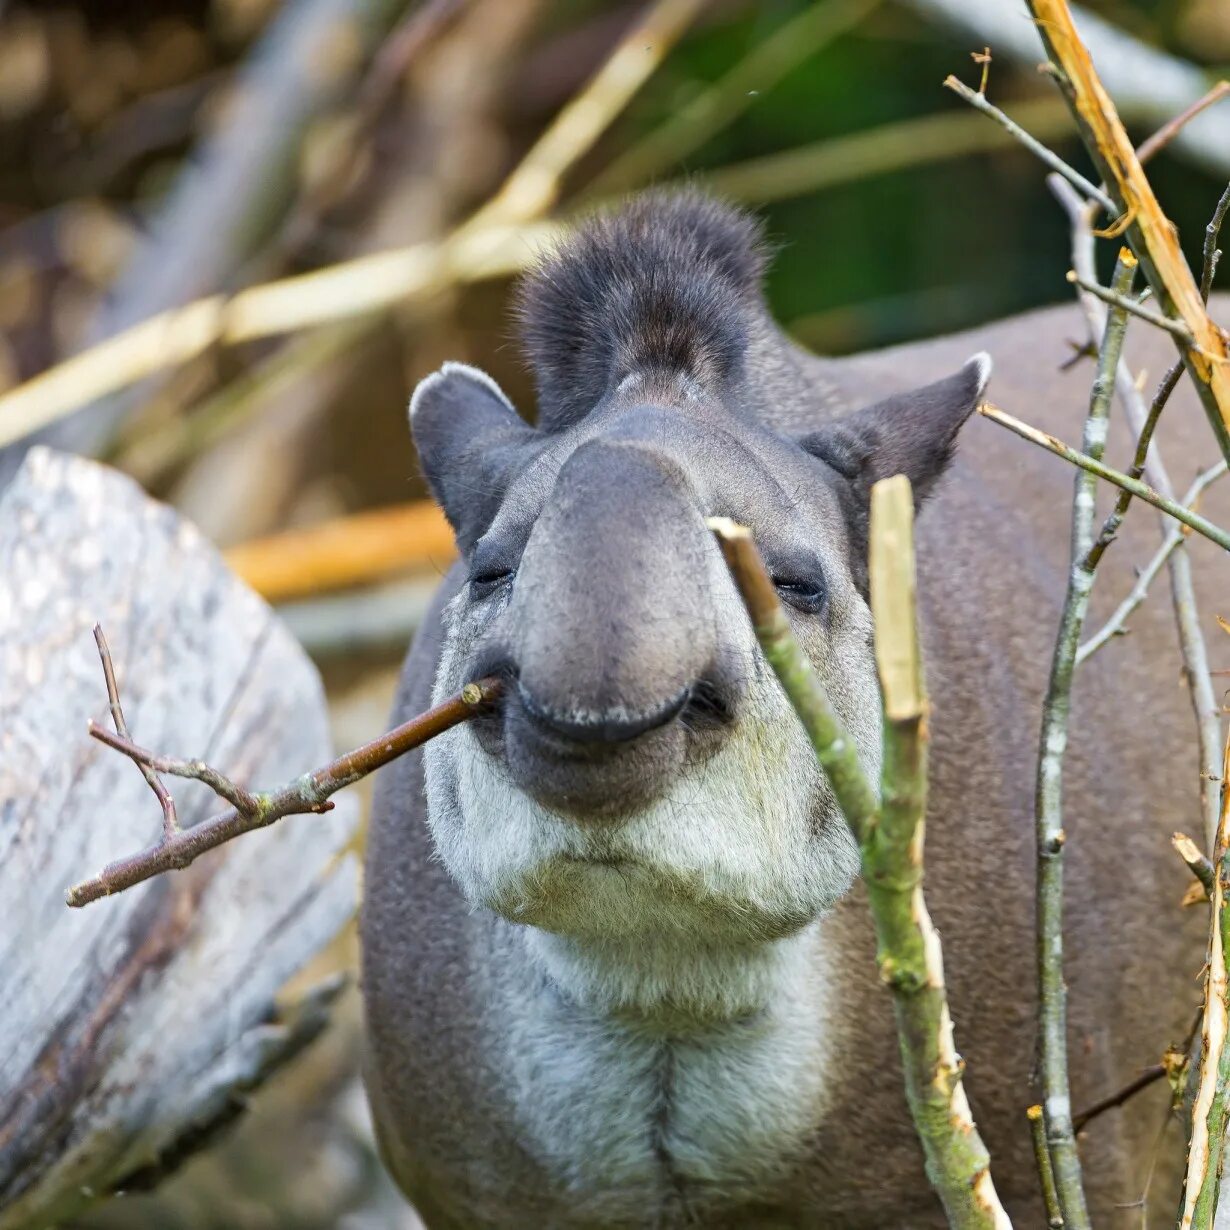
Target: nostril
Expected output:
[615,725]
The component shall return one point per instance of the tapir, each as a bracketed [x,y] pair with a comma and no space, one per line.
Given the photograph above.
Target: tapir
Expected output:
[617,966]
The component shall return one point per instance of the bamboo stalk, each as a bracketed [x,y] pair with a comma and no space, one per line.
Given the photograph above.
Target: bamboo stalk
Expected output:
[890,836]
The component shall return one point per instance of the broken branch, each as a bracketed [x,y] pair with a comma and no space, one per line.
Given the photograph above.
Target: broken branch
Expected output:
[307,794]
[1153,237]
[1198,863]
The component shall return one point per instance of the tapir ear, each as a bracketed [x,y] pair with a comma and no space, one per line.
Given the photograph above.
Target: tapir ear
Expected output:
[470,441]
[912,433]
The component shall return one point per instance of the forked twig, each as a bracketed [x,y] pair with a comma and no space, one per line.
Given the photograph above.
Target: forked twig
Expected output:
[250,811]
[170,820]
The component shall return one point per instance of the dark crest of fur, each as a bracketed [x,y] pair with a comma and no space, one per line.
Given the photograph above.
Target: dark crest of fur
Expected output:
[668,283]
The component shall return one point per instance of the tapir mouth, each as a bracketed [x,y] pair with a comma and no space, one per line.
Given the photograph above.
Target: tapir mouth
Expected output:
[602,764]
[609,727]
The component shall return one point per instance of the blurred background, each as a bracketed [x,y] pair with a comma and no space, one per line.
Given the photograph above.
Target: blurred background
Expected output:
[155,151]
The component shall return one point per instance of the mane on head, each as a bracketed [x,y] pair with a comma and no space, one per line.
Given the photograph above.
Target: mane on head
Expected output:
[667,283]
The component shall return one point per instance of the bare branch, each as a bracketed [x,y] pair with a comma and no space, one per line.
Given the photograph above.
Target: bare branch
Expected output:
[1153,1073]
[1048,156]
[1182,588]
[1139,489]
[1048,798]
[1198,863]
[1175,536]
[1176,327]
[307,794]
[1212,254]
[1212,1101]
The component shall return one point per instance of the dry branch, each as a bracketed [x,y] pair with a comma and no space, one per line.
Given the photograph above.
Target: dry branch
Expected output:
[1048,798]
[1049,157]
[351,550]
[1198,863]
[890,836]
[1153,237]
[309,793]
[1175,327]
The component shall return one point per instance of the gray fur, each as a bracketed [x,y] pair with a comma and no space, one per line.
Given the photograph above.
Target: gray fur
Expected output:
[617,968]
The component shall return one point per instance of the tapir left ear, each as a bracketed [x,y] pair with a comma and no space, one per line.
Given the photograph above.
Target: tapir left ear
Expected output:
[912,433]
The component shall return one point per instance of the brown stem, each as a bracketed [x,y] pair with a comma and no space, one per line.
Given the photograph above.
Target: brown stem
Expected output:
[307,794]
[1159,140]
[1151,1074]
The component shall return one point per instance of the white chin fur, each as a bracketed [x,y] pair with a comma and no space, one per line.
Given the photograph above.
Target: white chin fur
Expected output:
[729,855]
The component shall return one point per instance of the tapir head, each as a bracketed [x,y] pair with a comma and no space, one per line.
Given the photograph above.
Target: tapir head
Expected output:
[643,773]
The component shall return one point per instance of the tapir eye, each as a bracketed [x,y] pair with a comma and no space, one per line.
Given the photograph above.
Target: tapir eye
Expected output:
[805,594]
[484,581]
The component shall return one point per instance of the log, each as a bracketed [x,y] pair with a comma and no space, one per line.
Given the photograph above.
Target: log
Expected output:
[132,1030]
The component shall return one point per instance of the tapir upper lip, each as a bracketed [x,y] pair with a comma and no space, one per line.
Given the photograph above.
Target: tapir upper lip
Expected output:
[616,725]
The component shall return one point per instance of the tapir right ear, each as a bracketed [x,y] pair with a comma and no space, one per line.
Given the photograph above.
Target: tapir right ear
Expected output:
[470,441]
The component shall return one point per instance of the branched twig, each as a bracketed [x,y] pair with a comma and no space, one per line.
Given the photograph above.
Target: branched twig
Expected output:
[890,836]
[1175,536]
[307,794]
[1139,489]
[1182,588]
[1048,799]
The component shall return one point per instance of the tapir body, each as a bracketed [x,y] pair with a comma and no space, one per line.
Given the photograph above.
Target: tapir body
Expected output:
[617,967]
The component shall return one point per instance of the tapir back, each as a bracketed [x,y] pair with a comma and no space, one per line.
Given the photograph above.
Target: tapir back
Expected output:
[993,548]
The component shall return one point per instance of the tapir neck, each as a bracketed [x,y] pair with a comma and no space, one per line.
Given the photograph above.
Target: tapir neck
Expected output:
[674,983]
[618,1085]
